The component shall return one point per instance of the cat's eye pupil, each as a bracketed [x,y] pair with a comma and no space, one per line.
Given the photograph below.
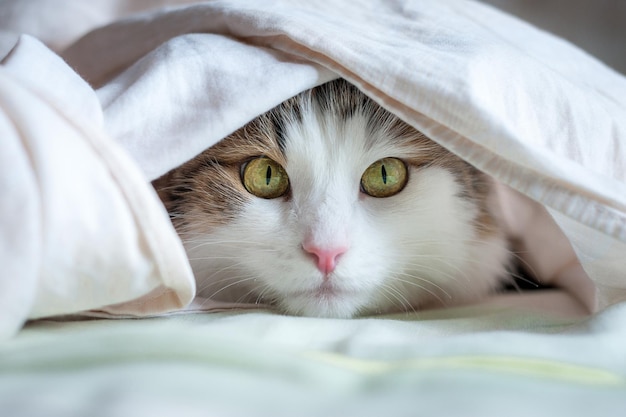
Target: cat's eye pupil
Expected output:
[265,178]
[384,178]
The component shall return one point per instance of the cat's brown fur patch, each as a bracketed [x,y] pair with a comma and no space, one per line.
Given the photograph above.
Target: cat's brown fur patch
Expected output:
[207,190]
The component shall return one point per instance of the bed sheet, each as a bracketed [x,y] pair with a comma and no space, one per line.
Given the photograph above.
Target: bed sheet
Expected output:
[475,361]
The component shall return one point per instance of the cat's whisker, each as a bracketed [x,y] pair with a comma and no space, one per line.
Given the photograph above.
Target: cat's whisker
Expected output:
[392,301]
[404,302]
[522,278]
[439,271]
[409,261]
[258,291]
[212,258]
[212,283]
[208,281]
[516,254]
[238,282]
[201,243]
[506,271]
[422,287]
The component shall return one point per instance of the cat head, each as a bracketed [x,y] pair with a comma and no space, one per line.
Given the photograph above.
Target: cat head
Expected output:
[329,205]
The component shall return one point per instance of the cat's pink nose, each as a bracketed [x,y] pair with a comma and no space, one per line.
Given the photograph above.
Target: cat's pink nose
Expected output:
[326,257]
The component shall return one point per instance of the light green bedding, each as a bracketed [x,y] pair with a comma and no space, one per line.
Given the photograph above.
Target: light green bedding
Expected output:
[479,361]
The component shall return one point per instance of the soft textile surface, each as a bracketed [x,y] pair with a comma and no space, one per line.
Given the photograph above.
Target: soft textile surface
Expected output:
[465,362]
[542,117]
[80,229]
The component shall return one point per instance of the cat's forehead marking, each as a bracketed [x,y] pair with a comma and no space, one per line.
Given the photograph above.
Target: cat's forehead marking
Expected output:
[347,120]
[337,109]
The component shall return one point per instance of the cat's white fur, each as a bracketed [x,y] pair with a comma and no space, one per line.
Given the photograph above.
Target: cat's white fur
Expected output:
[414,249]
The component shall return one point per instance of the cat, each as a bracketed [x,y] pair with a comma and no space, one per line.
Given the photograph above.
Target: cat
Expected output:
[330,206]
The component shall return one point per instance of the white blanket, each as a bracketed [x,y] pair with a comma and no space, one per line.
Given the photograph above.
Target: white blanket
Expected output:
[80,228]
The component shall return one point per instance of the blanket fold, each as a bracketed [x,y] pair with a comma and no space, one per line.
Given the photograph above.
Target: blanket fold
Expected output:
[81,228]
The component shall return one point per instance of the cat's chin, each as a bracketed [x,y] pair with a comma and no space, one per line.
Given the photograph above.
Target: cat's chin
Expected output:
[324,301]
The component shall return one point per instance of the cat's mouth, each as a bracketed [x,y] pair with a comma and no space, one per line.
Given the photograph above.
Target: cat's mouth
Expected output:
[324,300]
[324,291]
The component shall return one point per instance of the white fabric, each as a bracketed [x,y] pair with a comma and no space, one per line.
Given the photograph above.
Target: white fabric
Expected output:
[478,362]
[534,112]
[194,90]
[80,229]
[59,23]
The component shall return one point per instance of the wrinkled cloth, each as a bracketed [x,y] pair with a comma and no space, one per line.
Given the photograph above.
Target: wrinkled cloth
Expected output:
[80,228]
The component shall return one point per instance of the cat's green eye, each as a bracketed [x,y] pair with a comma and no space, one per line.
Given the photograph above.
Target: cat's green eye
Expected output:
[384,178]
[265,178]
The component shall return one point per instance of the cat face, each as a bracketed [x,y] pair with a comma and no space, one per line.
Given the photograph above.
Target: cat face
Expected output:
[328,205]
